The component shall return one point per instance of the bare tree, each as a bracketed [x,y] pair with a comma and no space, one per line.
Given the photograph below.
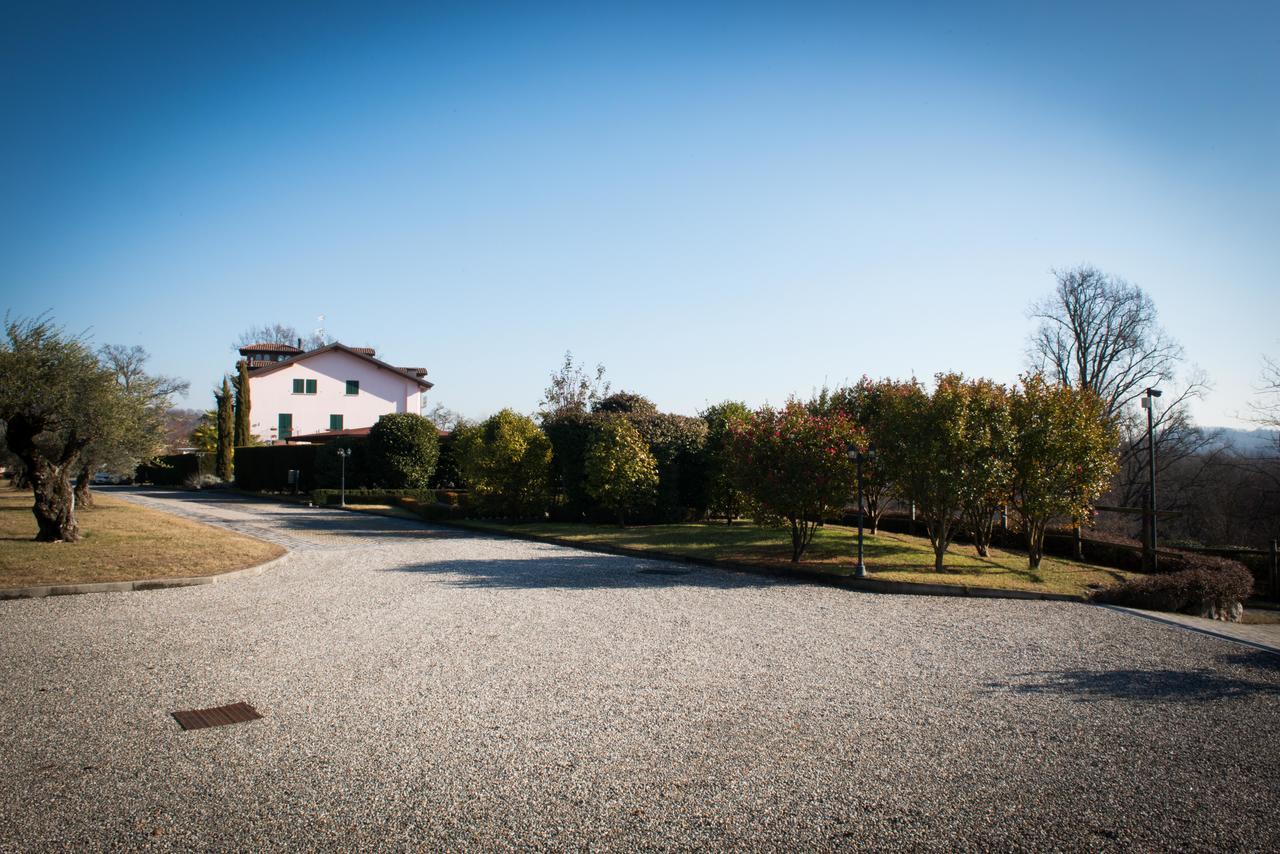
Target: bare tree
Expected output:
[1266,409]
[573,389]
[279,333]
[136,431]
[1178,441]
[1099,332]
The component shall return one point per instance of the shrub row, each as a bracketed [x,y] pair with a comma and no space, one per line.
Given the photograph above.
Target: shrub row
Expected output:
[174,469]
[372,496]
[400,452]
[265,468]
[1199,584]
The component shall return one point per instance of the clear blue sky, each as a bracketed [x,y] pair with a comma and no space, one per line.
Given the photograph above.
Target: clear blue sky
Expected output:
[738,201]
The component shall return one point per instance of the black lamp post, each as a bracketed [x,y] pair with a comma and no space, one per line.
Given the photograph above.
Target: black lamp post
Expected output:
[1149,405]
[857,454]
[343,453]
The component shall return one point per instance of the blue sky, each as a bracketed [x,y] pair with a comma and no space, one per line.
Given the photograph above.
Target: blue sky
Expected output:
[715,201]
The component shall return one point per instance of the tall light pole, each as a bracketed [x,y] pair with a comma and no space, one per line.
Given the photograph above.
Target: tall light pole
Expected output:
[860,570]
[1149,405]
[343,453]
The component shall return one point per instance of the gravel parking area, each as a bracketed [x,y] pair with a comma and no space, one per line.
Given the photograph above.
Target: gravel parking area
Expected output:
[423,687]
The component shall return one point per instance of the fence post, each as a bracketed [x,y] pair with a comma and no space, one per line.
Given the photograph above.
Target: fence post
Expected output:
[1275,573]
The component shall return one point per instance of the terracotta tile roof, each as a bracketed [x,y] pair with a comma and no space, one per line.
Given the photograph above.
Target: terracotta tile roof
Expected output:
[364,351]
[268,348]
[266,366]
[326,435]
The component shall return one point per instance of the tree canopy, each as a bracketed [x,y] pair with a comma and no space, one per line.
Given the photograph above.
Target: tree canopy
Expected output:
[56,400]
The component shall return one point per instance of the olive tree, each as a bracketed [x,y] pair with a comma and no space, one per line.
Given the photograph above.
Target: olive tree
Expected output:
[55,399]
[136,429]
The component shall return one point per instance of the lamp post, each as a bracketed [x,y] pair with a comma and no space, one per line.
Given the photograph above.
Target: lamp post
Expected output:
[1149,405]
[343,453]
[857,454]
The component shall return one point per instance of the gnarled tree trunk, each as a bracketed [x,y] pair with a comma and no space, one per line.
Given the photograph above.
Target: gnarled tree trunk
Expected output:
[49,475]
[55,507]
[83,494]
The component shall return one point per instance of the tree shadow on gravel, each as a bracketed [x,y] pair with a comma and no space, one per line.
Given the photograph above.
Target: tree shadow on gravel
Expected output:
[1201,685]
[580,571]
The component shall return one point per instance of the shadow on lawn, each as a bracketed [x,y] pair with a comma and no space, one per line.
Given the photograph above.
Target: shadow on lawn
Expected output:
[1201,685]
[580,571]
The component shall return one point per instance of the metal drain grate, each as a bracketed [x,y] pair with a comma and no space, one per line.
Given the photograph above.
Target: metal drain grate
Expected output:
[236,713]
[664,571]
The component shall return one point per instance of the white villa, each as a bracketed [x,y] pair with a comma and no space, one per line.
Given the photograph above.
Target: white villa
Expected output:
[332,390]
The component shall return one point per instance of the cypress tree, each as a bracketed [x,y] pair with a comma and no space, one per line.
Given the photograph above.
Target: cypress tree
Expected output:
[243,430]
[226,431]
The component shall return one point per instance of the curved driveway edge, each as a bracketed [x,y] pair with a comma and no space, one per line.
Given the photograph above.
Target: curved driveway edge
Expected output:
[41,590]
[848,582]
[1262,638]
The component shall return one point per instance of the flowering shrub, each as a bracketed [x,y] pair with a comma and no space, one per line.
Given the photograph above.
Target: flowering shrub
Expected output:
[795,465]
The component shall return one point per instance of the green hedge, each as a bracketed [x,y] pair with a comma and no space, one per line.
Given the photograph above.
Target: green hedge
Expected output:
[266,468]
[329,466]
[174,469]
[403,448]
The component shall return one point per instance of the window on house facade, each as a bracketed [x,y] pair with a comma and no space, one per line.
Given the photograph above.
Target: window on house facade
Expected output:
[304,386]
[335,422]
[284,425]
[353,386]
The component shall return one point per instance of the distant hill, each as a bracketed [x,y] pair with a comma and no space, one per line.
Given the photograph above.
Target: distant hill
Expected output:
[1248,441]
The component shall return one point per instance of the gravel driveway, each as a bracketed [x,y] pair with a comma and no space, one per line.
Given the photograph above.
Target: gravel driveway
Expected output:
[423,687]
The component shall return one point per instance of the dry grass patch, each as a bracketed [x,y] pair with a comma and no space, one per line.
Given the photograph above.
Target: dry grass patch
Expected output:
[122,542]
[891,557]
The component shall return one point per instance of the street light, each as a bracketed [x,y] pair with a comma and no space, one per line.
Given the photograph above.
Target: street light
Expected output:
[1148,405]
[343,453]
[858,455]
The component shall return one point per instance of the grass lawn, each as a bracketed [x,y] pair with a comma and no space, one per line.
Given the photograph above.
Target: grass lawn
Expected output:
[122,542]
[892,557]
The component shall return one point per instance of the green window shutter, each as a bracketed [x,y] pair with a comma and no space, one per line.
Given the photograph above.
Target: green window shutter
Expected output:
[335,422]
[298,387]
[285,425]
[311,386]
[353,386]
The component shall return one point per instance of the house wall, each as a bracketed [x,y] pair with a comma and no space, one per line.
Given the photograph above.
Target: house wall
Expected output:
[381,392]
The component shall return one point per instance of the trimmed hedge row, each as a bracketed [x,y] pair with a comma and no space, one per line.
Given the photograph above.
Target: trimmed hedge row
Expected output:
[174,469]
[676,442]
[265,468]
[400,452]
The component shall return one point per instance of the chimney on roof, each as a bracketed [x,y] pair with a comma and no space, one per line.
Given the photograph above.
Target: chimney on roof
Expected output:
[299,343]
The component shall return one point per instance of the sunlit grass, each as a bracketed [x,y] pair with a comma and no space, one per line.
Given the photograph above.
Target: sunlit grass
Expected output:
[122,542]
[889,556]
